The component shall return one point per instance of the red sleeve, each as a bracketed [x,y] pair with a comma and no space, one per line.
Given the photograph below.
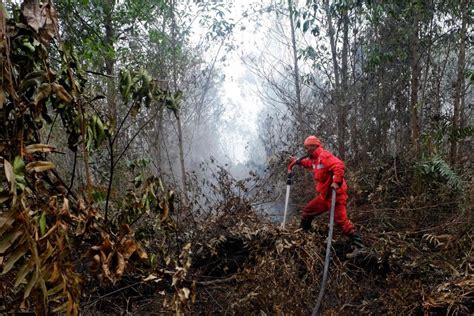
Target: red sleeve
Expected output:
[306,163]
[337,167]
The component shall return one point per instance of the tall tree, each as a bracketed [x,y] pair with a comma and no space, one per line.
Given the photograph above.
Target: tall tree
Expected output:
[414,82]
[296,74]
[340,70]
[176,111]
[459,84]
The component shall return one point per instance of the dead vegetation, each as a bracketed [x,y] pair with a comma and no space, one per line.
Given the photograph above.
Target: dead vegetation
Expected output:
[254,267]
[419,261]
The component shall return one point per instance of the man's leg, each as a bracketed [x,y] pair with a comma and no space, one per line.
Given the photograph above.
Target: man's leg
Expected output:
[315,207]
[343,221]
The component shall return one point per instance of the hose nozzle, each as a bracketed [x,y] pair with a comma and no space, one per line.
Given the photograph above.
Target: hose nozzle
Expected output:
[289,179]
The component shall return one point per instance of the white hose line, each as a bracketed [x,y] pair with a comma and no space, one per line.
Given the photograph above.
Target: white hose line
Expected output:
[287,198]
[328,255]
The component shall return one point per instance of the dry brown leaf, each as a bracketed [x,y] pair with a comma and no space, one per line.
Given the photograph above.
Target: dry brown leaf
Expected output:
[2,98]
[8,240]
[141,253]
[55,274]
[19,252]
[42,18]
[10,175]
[151,277]
[61,92]
[40,166]
[65,208]
[106,270]
[31,11]
[44,148]
[106,245]
[95,263]
[184,294]
[50,26]
[130,246]
[120,265]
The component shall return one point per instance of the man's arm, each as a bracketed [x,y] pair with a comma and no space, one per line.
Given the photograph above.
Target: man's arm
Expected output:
[306,163]
[337,167]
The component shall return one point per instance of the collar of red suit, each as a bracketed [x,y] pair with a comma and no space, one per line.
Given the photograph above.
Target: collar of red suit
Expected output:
[317,152]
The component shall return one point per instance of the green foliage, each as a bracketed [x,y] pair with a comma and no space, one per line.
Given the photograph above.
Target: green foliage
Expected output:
[459,134]
[309,53]
[470,75]
[139,87]
[438,170]
[96,132]
[213,17]
[42,232]
[34,230]
[35,247]
[19,171]
[86,23]
[37,226]
[98,196]
[151,198]
[441,132]
[173,100]
[305,18]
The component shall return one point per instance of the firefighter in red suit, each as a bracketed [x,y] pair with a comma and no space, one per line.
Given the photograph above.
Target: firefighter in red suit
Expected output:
[328,171]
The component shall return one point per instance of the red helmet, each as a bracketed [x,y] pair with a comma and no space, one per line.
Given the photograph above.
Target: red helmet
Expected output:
[312,140]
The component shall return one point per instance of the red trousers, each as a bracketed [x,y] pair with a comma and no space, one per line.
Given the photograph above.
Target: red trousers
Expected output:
[319,205]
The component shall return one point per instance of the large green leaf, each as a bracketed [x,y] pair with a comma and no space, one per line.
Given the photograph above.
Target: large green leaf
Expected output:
[125,84]
[42,224]
[19,170]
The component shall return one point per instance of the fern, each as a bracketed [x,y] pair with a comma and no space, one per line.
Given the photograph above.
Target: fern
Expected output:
[432,239]
[438,240]
[437,168]
[461,133]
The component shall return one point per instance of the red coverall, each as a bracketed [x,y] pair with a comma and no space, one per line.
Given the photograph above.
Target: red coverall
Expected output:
[327,169]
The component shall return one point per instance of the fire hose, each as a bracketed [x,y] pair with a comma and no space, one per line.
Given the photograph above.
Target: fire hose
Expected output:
[289,181]
[329,240]
[328,255]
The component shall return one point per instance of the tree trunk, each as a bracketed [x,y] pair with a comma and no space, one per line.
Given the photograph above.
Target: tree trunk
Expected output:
[414,86]
[335,96]
[111,100]
[441,70]
[181,157]
[110,62]
[340,77]
[343,93]
[296,74]
[176,112]
[332,42]
[459,84]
